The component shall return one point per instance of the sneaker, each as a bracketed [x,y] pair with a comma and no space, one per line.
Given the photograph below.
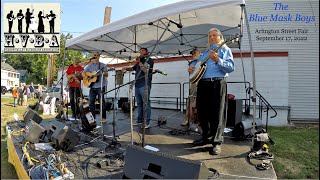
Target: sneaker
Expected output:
[147,126]
[137,123]
[216,149]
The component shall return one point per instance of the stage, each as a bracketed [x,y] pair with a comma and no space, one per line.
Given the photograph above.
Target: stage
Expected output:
[169,138]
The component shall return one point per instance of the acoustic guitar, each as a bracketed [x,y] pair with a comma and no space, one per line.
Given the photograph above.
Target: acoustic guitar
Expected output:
[91,77]
[201,66]
[74,76]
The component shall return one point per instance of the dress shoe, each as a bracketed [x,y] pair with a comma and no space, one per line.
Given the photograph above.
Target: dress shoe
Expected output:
[216,149]
[200,142]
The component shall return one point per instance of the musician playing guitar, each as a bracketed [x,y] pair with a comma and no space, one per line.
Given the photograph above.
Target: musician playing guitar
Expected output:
[20,16]
[10,18]
[95,70]
[211,91]
[51,18]
[74,83]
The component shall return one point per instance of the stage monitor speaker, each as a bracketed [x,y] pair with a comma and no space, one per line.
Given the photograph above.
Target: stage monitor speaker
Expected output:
[35,133]
[62,136]
[141,163]
[31,115]
[234,115]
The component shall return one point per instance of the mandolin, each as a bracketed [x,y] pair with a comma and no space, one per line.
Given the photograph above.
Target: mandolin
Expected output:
[201,66]
[92,77]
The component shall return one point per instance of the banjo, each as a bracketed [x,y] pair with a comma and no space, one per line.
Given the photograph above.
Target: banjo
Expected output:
[200,67]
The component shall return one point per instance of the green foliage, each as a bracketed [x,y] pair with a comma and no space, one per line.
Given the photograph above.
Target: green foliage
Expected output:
[37,64]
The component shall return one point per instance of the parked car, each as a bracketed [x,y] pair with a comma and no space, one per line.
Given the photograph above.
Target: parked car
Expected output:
[55,91]
[4,89]
[36,93]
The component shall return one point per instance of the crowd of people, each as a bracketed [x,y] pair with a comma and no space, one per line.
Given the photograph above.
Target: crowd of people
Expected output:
[23,93]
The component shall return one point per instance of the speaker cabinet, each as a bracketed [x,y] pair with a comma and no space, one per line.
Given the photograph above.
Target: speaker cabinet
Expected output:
[121,101]
[31,115]
[141,163]
[35,133]
[234,115]
[62,136]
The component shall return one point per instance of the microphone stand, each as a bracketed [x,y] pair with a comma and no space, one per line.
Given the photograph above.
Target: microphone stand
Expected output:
[131,83]
[145,101]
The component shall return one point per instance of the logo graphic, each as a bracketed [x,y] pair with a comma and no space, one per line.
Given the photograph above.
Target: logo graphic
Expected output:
[31,28]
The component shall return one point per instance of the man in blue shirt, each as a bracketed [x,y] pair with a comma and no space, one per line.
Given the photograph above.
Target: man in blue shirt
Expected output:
[140,68]
[212,90]
[95,87]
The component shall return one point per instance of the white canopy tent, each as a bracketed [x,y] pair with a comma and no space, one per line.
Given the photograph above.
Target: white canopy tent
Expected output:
[169,29]
[173,29]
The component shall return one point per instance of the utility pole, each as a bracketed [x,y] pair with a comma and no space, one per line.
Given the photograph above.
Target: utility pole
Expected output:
[50,70]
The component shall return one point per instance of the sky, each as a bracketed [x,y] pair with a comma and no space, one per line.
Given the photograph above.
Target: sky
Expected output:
[80,16]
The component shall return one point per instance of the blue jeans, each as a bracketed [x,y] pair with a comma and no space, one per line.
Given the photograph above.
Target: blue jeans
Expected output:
[139,92]
[93,93]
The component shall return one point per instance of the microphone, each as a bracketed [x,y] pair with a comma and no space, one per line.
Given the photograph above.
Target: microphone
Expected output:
[161,72]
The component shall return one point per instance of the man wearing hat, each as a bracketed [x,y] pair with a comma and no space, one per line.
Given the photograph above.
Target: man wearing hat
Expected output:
[191,103]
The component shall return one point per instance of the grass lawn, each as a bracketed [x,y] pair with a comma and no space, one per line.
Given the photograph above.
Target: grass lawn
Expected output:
[296,150]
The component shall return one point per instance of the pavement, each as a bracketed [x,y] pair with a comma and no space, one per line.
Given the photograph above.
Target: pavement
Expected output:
[177,154]
[176,141]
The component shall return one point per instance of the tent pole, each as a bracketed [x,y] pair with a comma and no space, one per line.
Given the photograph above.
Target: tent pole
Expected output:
[146,96]
[253,130]
[61,93]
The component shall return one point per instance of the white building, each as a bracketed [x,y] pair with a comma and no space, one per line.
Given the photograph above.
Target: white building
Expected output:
[298,77]
[9,76]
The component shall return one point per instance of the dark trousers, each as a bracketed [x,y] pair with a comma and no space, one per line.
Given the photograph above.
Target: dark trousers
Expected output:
[74,93]
[93,93]
[211,98]
[20,26]
[51,27]
[10,26]
[27,27]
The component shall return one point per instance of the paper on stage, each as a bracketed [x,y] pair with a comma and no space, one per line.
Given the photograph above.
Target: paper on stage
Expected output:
[151,148]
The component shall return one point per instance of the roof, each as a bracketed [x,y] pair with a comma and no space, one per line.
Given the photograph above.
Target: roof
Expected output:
[190,21]
[6,66]
[22,72]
